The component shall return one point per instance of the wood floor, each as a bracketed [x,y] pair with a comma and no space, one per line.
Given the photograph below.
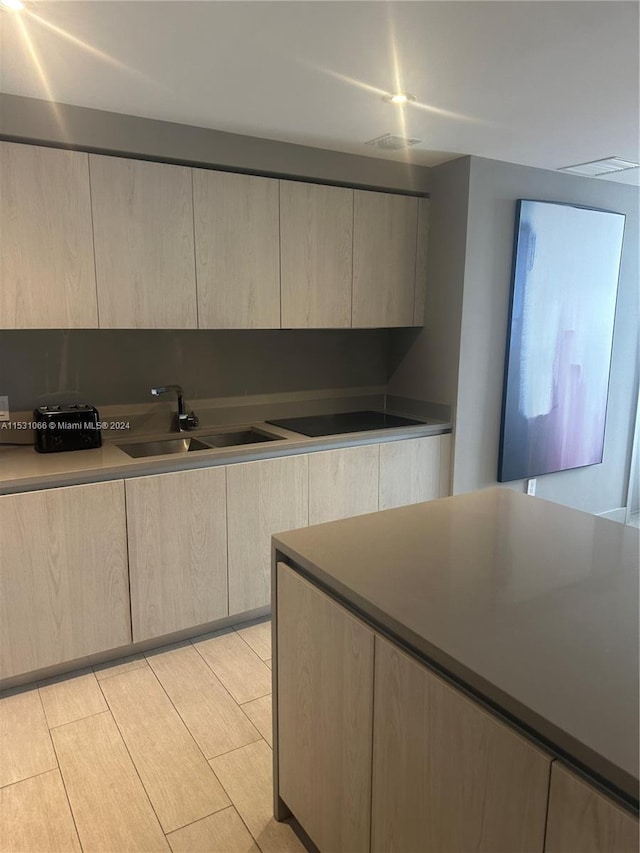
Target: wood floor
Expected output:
[166,751]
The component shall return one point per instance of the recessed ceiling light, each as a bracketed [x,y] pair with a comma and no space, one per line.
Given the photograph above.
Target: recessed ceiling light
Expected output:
[13,5]
[399,98]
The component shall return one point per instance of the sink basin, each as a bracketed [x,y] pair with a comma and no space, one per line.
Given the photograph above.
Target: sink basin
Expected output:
[162,446]
[186,444]
[235,437]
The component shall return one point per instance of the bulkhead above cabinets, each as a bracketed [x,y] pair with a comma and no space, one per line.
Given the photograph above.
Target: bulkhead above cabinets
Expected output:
[96,241]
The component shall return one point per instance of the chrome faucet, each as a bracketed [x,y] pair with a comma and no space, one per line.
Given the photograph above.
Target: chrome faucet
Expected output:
[184,421]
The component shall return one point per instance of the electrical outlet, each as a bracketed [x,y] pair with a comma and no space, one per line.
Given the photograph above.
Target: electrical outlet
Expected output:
[4,409]
[531,486]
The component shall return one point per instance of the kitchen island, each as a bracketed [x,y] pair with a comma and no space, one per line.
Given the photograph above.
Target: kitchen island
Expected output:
[458,675]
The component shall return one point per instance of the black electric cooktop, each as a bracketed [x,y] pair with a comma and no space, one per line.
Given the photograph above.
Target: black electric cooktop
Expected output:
[317,425]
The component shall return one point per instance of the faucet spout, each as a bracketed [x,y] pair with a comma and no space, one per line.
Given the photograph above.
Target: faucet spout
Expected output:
[184,421]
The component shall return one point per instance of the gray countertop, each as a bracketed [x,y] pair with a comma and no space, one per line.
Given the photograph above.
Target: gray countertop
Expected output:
[530,605]
[23,469]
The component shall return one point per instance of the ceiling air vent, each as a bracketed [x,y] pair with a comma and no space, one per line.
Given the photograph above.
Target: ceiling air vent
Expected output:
[389,142]
[600,167]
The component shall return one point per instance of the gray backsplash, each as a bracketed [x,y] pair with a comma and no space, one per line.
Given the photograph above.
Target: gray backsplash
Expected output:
[108,368]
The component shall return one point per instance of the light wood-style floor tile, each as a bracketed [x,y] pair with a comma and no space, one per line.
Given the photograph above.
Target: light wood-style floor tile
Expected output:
[25,743]
[247,777]
[237,666]
[35,817]
[258,635]
[175,773]
[119,666]
[259,712]
[211,715]
[111,809]
[222,832]
[268,663]
[71,697]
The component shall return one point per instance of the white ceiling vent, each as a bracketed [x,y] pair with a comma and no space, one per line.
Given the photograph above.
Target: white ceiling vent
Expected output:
[389,142]
[600,167]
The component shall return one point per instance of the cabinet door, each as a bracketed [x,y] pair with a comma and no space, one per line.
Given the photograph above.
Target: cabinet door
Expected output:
[63,575]
[581,819]
[414,470]
[263,498]
[177,550]
[447,775]
[343,483]
[384,259]
[421,262]
[316,233]
[324,714]
[47,274]
[143,233]
[237,250]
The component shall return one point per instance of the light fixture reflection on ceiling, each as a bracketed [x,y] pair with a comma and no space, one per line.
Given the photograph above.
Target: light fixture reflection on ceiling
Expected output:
[12,5]
[399,98]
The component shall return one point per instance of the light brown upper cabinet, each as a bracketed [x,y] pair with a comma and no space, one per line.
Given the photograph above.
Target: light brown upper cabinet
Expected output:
[384,259]
[316,234]
[47,277]
[143,234]
[237,250]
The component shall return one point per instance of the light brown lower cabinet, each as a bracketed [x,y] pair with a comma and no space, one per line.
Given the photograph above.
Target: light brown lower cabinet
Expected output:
[63,575]
[325,689]
[376,752]
[343,483]
[264,497]
[581,820]
[448,777]
[177,550]
[414,470]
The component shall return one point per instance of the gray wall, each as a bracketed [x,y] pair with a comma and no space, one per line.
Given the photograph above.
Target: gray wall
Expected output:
[493,190]
[34,120]
[459,356]
[112,367]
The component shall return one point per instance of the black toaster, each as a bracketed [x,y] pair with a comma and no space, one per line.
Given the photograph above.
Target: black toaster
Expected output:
[66,427]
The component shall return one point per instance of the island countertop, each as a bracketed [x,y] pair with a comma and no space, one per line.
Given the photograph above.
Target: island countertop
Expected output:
[531,606]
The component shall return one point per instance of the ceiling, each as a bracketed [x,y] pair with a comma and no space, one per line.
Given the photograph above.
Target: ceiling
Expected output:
[544,84]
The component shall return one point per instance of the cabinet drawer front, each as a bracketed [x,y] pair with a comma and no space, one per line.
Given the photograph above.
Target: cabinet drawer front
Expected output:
[325,691]
[384,259]
[263,498]
[63,573]
[237,250]
[343,483]
[316,233]
[143,233]
[47,274]
[414,470]
[581,819]
[177,550]
[447,775]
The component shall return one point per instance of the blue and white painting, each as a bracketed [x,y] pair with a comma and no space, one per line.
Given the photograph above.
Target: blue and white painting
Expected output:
[565,282]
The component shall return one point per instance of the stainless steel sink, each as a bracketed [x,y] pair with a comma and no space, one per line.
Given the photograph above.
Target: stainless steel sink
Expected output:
[187,443]
[236,437]
[163,446]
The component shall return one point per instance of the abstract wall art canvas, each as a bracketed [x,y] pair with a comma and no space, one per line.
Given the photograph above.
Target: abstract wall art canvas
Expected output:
[563,300]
